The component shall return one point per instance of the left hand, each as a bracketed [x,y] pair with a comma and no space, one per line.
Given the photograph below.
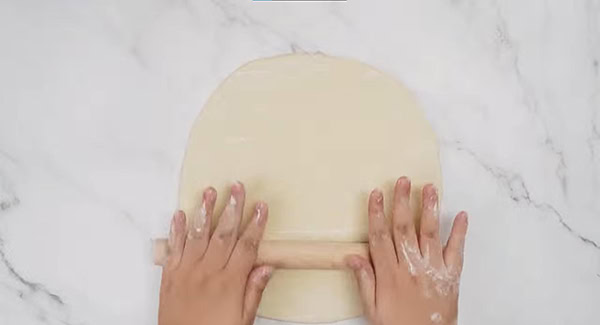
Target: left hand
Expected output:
[210,278]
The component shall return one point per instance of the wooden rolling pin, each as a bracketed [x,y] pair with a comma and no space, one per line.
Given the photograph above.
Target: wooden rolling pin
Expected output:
[285,254]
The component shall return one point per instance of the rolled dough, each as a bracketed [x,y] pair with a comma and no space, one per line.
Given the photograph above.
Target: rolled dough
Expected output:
[311,135]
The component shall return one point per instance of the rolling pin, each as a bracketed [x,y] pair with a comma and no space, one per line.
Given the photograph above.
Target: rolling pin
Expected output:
[285,254]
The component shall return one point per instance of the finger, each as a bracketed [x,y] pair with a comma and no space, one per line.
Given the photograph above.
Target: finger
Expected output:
[405,237]
[453,252]
[223,239]
[380,242]
[176,240]
[246,249]
[365,278]
[429,238]
[199,228]
[257,281]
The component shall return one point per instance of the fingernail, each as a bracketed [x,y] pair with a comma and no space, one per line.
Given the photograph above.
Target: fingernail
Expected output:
[378,195]
[171,239]
[199,221]
[179,221]
[466,216]
[432,201]
[259,213]
[173,222]
[231,204]
[404,182]
[177,225]
[236,186]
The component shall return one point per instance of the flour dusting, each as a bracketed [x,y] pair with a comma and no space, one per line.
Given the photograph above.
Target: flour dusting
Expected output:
[406,250]
[436,318]
[201,218]
[203,209]
[443,281]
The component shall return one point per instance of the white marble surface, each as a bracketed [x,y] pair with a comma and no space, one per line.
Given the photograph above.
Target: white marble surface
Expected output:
[97,98]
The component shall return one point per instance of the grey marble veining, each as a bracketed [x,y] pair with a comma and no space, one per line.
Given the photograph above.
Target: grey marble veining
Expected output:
[97,98]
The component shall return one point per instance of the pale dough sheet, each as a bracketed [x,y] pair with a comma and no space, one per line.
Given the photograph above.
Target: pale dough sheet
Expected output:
[311,135]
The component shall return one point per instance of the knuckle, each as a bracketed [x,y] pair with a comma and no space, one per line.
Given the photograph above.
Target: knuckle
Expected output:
[225,235]
[249,244]
[172,265]
[401,228]
[429,234]
[454,271]
[218,284]
[402,210]
[379,235]
[177,282]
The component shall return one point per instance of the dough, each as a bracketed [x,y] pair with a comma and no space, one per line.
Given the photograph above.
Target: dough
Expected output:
[311,135]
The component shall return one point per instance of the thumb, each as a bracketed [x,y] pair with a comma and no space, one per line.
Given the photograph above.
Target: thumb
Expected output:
[257,281]
[363,272]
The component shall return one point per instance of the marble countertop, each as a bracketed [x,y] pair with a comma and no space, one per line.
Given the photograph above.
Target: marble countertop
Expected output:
[97,98]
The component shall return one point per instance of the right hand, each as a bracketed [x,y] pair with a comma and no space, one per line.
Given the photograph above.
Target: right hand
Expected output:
[412,279]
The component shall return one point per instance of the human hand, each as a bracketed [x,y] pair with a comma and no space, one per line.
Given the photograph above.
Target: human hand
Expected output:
[210,279]
[412,280]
